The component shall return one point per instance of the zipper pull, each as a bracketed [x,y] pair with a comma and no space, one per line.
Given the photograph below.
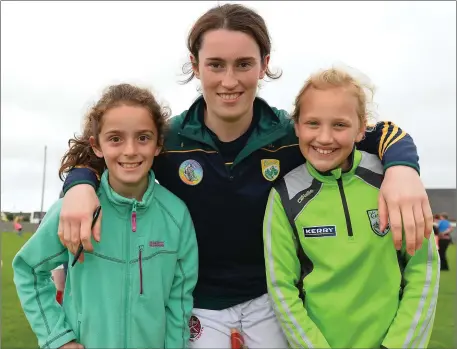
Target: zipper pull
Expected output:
[134,217]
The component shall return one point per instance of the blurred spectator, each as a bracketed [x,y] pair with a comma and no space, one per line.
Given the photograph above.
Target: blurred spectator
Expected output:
[17,225]
[444,238]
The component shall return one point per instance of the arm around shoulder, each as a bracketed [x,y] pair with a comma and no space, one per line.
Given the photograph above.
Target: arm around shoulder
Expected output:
[81,175]
[391,144]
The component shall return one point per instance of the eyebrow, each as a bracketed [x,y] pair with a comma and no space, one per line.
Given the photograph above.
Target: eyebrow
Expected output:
[238,59]
[119,131]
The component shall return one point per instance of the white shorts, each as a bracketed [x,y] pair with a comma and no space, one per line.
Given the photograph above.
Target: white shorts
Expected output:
[255,319]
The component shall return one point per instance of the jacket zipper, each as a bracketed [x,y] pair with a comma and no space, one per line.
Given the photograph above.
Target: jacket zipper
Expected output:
[140,248]
[140,263]
[345,207]
[134,217]
[127,287]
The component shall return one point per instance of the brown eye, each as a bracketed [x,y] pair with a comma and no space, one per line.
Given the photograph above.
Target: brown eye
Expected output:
[215,65]
[115,139]
[144,138]
[245,65]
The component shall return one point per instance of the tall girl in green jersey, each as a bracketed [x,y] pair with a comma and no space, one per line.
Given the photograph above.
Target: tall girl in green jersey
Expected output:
[334,277]
[135,288]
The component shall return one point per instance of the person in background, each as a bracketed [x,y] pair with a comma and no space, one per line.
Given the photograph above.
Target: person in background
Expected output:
[436,235]
[17,225]
[444,235]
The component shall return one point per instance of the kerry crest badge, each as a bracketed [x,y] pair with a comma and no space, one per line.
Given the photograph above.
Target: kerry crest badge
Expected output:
[373,216]
[270,169]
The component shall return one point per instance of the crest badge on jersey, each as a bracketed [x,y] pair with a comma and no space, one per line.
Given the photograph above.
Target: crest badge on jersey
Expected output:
[373,216]
[270,169]
[191,172]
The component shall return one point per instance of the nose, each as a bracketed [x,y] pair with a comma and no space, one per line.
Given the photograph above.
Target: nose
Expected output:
[130,148]
[229,81]
[325,135]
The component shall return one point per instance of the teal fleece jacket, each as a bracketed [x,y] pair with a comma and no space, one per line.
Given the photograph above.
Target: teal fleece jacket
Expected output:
[133,291]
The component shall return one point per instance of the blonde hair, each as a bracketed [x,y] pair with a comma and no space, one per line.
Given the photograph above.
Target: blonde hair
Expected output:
[334,78]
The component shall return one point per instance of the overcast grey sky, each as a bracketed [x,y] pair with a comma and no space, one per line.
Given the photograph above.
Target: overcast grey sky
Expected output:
[58,56]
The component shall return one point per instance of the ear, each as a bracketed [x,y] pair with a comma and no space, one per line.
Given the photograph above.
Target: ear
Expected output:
[265,62]
[296,128]
[361,134]
[157,152]
[194,63]
[95,148]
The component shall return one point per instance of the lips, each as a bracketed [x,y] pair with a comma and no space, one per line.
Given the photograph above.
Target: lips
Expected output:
[130,165]
[230,96]
[323,151]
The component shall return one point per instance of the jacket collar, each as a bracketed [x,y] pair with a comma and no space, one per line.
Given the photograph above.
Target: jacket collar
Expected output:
[121,202]
[337,173]
[193,125]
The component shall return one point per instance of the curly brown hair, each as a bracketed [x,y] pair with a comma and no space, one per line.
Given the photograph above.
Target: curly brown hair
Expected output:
[80,152]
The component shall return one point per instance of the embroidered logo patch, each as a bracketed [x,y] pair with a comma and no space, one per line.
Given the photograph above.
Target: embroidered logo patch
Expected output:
[191,172]
[320,231]
[156,244]
[373,216]
[270,169]
[196,328]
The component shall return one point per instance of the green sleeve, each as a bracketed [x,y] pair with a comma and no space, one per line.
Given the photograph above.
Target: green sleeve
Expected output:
[180,302]
[413,323]
[32,268]
[283,272]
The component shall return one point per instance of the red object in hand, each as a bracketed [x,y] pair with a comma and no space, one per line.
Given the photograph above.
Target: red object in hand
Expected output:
[59,297]
[236,339]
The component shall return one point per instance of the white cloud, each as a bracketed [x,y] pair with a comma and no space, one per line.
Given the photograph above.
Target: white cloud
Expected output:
[58,56]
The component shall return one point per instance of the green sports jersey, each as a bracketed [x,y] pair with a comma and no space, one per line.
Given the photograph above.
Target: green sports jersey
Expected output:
[344,285]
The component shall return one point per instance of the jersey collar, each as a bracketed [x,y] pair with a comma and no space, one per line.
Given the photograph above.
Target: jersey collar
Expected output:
[332,175]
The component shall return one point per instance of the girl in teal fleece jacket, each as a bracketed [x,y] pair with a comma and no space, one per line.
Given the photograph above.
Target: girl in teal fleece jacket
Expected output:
[135,289]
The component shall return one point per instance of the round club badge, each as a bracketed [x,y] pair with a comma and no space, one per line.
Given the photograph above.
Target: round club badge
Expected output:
[195,327]
[191,172]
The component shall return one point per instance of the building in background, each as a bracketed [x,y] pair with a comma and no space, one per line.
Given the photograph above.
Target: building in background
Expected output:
[443,200]
[36,216]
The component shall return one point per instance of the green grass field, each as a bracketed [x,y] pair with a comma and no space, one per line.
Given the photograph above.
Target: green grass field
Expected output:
[16,332]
